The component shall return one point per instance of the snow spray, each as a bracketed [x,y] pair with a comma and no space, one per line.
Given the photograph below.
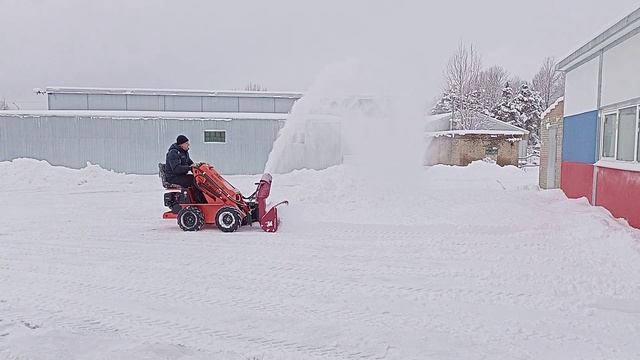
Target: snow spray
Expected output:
[366,116]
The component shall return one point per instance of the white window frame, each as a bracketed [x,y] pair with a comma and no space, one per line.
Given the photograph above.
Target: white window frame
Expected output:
[615,137]
[636,159]
[635,144]
[214,142]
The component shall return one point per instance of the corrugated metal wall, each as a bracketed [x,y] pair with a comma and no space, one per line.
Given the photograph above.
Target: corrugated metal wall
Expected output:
[135,145]
[183,103]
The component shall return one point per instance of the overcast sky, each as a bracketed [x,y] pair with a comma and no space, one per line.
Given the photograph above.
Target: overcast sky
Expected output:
[281,44]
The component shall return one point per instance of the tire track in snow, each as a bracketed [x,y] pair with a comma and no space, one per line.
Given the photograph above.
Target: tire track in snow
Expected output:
[289,275]
[128,324]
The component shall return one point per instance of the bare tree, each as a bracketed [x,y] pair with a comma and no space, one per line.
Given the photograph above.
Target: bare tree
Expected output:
[549,82]
[492,82]
[463,72]
[4,105]
[516,82]
[470,120]
[254,87]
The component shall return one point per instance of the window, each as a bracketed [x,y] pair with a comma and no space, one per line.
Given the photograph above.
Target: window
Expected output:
[609,136]
[621,134]
[490,150]
[627,134]
[215,136]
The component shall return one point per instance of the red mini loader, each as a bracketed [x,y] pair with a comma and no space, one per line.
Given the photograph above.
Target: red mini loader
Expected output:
[225,206]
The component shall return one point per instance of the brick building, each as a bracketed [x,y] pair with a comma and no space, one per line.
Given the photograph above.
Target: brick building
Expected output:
[551,145]
[481,137]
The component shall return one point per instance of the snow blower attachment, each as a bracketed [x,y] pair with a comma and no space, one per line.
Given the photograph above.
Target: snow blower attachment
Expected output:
[225,206]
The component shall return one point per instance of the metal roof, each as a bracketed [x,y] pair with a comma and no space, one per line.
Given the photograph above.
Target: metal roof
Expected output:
[486,125]
[175,92]
[98,114]
[618,32]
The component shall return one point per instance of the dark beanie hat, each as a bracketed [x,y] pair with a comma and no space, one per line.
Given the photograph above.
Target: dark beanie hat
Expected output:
[181,139]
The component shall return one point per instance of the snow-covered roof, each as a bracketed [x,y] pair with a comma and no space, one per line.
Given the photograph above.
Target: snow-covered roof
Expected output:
[477,132]
[618,31]
[176,92]
[551,107]
[145,114]
[483,125]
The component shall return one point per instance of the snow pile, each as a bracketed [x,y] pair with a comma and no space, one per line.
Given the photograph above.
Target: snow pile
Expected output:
[344,193]
[341,194]
[38,174]
[476,264]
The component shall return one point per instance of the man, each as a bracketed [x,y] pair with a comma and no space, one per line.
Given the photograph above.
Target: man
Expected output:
[179,164]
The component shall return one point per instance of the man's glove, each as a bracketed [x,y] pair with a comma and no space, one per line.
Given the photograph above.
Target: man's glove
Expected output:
[198,164]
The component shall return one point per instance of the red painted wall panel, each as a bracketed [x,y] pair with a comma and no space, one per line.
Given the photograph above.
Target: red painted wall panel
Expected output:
[577,180]
[619,192]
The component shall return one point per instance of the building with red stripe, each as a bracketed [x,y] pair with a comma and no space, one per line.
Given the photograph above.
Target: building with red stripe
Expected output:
[600,145]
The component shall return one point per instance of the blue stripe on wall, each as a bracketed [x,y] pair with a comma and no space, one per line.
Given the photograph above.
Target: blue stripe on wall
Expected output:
[579,138]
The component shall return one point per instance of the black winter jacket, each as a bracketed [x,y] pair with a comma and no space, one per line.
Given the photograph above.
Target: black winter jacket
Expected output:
[178,161]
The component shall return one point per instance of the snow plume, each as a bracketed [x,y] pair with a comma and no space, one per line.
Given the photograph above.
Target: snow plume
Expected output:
[369,117]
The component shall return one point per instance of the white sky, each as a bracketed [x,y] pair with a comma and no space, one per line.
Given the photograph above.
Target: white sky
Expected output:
[281,44]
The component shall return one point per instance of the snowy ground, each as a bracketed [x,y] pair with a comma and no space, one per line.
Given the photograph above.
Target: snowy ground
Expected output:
[477,264]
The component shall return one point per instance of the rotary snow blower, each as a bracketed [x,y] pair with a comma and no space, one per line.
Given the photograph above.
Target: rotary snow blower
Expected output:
[225,206]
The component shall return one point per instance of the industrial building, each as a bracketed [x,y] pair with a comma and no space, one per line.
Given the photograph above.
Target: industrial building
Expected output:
[600,152]
[130,130]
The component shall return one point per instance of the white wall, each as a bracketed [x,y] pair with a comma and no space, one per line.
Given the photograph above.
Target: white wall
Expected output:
[621,72]
[581,92]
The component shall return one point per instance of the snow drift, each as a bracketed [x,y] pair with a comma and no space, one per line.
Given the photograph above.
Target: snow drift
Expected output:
[477,263]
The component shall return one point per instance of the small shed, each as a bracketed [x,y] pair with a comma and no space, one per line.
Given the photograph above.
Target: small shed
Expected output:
[459,139]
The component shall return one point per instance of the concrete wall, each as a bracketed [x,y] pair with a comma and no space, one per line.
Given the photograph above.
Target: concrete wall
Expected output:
[135,145]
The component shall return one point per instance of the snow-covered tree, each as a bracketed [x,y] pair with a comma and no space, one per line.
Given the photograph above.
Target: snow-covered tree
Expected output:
[504,110]
[549,82]
[491,83]
[445,104]
[462,74]
[463,69]
[529,105]
[4,105]
[516,82]
[470,89]
[451,101]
